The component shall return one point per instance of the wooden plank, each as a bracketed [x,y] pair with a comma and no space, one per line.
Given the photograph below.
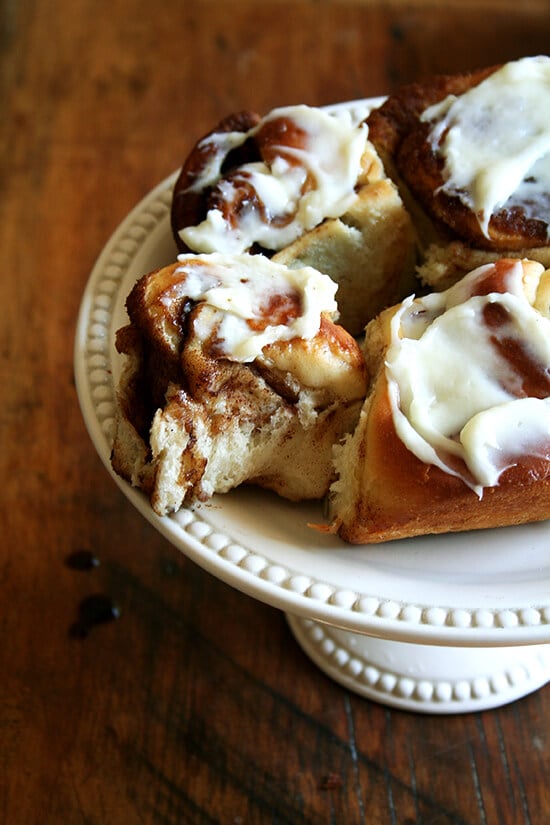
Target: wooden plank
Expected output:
[196,706]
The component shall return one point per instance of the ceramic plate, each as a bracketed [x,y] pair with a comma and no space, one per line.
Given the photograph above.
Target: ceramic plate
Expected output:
[482,588]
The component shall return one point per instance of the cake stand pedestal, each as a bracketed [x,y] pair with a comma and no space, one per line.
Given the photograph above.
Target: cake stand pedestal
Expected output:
[424,678]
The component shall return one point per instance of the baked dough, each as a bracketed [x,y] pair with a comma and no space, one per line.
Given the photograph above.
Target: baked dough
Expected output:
[347,220]
[394,481]
[209,400]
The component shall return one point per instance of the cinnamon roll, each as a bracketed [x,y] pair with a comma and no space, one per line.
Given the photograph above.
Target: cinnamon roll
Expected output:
[471,156]
[235,372]
[455,430]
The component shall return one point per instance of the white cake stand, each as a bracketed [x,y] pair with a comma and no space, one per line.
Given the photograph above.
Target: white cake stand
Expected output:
[446,624]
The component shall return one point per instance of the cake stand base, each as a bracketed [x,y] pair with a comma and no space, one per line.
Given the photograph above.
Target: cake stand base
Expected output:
[423,678]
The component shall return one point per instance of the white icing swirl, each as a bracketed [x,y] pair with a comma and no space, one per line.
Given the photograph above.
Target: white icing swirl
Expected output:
[293,191]
[253,301]
[495,141]
[457,395]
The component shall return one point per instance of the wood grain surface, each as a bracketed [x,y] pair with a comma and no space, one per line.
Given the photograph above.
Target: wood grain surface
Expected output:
[194,704]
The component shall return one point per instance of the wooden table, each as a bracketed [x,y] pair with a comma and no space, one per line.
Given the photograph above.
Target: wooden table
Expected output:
[195,705]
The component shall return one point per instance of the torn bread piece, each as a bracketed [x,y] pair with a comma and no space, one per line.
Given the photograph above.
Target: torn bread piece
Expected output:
[305,185]
[235,372]
[455,430]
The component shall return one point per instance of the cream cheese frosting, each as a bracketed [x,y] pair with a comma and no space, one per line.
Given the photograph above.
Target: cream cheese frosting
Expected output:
[469,373]
[495,141]
[252,301]
[307,173]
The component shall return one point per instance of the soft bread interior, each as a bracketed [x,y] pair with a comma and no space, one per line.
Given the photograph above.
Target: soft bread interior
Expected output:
[369,252]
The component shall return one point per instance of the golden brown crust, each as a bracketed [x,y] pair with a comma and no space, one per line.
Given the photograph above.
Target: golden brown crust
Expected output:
[401,497]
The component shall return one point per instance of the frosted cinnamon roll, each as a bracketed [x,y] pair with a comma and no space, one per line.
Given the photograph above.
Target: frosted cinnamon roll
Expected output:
[471,155]
[455,431]
[306,186]
[234,372]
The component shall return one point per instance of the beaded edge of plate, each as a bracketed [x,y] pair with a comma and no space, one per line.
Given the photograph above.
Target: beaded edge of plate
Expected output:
[525,670]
